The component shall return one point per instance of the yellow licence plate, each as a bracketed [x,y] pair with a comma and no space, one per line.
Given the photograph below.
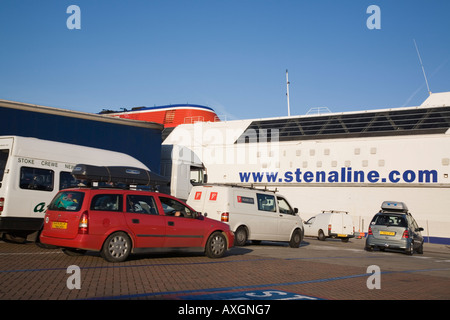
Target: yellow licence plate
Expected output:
[387,233]
[59,225]
[342,235]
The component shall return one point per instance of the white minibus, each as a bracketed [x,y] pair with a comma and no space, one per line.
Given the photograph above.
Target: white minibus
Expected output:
[32,171]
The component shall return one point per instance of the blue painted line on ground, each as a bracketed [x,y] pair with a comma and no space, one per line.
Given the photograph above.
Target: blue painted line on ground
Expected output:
[184,264]
[181,264]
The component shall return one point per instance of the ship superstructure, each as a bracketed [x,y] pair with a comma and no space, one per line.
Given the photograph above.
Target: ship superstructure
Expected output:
[350,161]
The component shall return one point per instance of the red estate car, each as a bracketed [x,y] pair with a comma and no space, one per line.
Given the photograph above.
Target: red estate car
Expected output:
[118,222]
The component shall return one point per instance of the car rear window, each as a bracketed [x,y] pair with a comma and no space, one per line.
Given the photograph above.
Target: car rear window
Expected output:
[67,201]
[390,220]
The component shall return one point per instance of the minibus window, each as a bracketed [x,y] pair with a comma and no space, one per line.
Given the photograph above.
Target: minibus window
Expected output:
[66,180]
[36,179]
[3,159]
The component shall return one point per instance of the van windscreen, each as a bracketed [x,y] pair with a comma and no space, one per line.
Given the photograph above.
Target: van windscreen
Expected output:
[3,159]
[67,201]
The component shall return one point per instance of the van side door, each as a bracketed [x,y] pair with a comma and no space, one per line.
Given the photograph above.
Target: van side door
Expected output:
[264,226]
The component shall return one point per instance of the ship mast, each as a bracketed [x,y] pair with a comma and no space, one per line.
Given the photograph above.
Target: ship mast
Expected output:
[287,93]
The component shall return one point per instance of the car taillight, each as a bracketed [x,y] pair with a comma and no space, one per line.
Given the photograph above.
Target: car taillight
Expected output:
[370,232]
[225,217]
[2,204]
[405,234]
[329,228]
[83,226]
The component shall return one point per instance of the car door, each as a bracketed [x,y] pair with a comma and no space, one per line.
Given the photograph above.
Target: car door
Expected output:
[287,219]
[183,229]
[310,229]
[416,232]
[143,218]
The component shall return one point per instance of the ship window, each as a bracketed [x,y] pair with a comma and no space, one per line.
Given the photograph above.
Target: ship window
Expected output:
[378,123]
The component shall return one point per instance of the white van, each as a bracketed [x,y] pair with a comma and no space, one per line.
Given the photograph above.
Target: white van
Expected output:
[32,171]
[330,224]
[251,213]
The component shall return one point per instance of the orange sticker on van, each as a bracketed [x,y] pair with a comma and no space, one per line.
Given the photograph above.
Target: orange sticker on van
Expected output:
[198,195]
[213,196]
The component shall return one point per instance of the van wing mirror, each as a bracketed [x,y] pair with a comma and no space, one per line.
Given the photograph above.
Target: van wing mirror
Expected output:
[296,210]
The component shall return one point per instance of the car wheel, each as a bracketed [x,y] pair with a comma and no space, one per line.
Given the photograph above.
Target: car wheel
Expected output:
[345,239]
[368,248]
[296,239]
[117,247]
[410,249]
[240,236]
[321,235]
[420,249]
[216,245]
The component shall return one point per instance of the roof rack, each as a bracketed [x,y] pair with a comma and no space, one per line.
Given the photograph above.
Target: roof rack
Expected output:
[118,175]
[394,206]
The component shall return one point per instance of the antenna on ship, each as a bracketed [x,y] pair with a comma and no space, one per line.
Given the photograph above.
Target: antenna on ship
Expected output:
[287,93]
[421,64]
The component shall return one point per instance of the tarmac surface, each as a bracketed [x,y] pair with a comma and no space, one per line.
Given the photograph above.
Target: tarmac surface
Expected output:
[328,270]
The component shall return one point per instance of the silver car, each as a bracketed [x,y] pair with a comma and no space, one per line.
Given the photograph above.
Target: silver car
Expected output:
[394,228]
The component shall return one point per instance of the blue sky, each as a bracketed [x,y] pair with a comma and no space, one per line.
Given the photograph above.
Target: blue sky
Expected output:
[231,55]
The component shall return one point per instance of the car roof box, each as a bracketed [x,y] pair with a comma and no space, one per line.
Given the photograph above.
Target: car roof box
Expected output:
[113,174]
[394,206]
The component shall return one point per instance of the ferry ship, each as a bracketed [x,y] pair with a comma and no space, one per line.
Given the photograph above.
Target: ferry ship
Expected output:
[169,115]
[349,161]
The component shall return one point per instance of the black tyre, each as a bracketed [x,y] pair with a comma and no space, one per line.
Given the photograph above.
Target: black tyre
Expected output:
[410,249]
[420,249]
[296,239]
[240,236]
[216,245]
[321,235]
[117,247]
